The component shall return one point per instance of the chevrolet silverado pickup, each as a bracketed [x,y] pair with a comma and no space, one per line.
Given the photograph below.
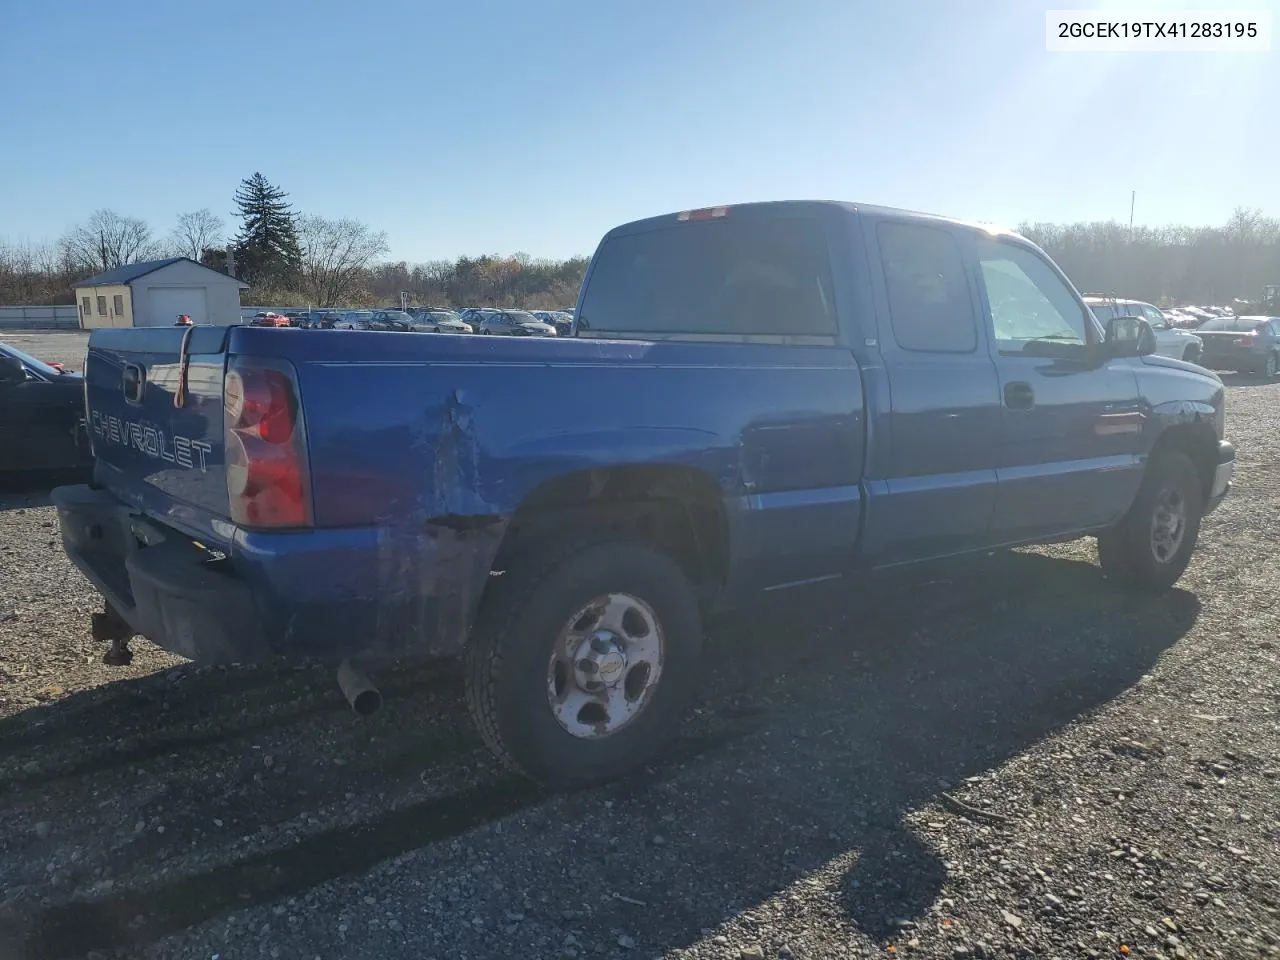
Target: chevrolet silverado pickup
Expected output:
[753,399]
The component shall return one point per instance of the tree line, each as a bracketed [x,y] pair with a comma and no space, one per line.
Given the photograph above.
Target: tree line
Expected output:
[286,257]
[1168,265]
[292,258]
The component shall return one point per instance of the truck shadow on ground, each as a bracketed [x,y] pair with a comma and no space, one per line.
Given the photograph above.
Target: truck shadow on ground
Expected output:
[809,743]
[30,489]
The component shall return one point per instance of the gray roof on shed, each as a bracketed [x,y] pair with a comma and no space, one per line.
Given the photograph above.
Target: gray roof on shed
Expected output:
[132,271]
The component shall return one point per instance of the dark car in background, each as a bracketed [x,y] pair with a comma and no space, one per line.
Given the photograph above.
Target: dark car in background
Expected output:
[514,323]
[1243,344]
[563,322]
[396,321]
[41,415]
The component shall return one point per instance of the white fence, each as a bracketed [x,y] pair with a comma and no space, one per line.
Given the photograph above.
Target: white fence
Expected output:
[62,317]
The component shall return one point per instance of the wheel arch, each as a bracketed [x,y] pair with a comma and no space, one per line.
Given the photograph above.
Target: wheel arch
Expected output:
[677,509]
[1198,442]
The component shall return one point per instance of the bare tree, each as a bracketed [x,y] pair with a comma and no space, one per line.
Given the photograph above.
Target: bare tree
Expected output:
[335,255]
[108,240]
[196,232]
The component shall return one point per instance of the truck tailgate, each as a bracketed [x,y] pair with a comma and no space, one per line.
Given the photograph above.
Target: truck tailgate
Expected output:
[156,450]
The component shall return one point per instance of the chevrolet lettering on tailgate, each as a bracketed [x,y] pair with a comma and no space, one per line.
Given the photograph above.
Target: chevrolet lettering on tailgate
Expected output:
[149,439]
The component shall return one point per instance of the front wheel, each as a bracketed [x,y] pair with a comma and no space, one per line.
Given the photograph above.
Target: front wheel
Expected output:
[1191,354]
[582,661]
[1152,545]
[1271,367]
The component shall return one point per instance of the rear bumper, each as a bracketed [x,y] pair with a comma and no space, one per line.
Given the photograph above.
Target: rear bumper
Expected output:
[167,588]
[366,593]
[1246,360]
[1222,475]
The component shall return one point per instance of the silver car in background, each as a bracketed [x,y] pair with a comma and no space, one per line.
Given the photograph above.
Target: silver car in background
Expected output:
[439,320]
[1170,341]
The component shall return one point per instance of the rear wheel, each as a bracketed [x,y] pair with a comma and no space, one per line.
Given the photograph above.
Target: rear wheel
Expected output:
[1152,545]
[1191,354]
[582,662]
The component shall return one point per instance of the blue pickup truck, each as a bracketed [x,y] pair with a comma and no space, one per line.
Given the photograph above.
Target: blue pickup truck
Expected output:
[753,399]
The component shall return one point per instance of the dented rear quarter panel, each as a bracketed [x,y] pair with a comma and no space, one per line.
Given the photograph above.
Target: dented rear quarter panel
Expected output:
[422,448]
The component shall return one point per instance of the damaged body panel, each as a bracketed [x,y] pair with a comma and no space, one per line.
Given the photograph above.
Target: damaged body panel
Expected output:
[421,452]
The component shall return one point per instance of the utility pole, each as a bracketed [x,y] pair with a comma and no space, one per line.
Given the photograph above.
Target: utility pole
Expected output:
[1133,199]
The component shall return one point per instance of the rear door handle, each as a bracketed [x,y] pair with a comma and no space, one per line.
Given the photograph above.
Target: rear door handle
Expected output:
[1018,395]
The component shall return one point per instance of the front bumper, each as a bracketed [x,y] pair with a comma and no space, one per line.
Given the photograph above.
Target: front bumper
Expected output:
[1222,475]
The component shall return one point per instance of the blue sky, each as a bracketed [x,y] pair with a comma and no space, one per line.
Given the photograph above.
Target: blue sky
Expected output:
[509,126]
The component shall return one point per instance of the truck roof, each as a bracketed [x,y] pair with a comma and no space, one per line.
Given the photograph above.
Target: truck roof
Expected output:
[774,207]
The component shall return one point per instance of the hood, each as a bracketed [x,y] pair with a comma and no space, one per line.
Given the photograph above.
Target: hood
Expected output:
[1154,360]
[539,325]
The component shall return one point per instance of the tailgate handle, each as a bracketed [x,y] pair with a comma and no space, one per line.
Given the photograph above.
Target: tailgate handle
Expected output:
[132,382]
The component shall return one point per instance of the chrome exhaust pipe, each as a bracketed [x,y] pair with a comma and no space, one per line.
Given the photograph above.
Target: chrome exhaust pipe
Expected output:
[358,689]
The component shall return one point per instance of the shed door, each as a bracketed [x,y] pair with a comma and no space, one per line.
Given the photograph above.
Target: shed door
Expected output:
[167,303]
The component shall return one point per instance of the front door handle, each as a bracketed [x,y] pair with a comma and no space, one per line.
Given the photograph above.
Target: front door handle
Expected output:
[1018,395]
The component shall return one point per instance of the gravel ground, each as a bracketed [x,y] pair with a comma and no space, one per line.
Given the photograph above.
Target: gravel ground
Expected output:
[1006,759]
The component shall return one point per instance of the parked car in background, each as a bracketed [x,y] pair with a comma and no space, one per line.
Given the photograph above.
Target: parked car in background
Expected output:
[354,320]
[473,315]
[269,319]
[776,395]
[1243,344]
[563,322]
[1170,341]
[41,415]
[439,320]
[396,321]
[514,323]
[1199,314]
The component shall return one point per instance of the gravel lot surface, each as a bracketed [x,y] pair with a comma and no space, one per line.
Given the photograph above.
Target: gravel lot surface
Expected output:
[1007,759]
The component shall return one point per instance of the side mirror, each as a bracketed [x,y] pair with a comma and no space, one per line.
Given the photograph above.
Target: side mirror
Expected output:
[12,370]
[1129,337]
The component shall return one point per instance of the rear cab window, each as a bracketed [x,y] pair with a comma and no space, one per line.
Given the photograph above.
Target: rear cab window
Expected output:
[751,275]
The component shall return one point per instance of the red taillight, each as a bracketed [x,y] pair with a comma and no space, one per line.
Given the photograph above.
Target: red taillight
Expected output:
[266,449]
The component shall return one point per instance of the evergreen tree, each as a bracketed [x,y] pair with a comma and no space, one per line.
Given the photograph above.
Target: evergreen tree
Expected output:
[267,249]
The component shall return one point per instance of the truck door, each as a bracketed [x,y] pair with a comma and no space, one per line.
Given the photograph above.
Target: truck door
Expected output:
[1072,423]
[939,478]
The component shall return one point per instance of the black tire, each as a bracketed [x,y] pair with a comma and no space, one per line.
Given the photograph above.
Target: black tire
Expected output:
[1191,354]
[511,649]
[1127,553]
[1271,367]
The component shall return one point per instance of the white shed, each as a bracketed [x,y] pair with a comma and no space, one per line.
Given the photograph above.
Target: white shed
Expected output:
[155,293]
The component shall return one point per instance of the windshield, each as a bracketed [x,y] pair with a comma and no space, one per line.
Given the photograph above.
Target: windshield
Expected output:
[1103,311]
[38,365]
[519,316]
